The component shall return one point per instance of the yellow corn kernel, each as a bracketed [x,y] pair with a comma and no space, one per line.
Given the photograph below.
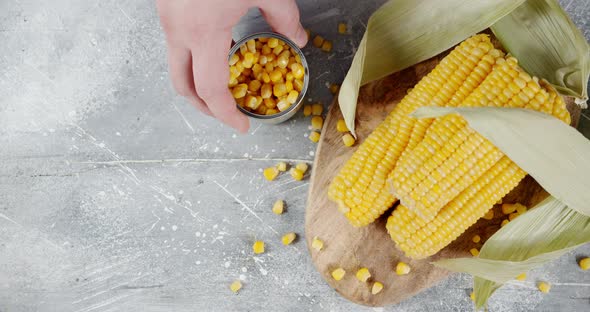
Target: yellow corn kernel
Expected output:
[508,208]
[271,173]
[235,286]
[298,85]
[254,85]
[317,109]
[334,88]
[251,102]
[273,43]
[240,102]
[476,239]
[278,207]
[282,62]
[474,252]
[296,174]
[243,49]
[317,122]
[271,111]
[363,274]
[314,136]
[265,91]
[257,69]
[278,49]
[584,263]
[318,41]
[240,91]
[317,243]
[232,83]
[544,287]
[306,110]
[251,44]
[261,110]
[279,89]
[342,28]
[348,140]
[282,166]
[402,268]
[377,288]
[234,59]
[521,277]
[269,67]
[265,77]
[283,71]
[504,222]
[292,96]
[308,32]
[302,166]
[472,296]
[270,103]
[263,60]
[298,70]
[258,247]
[489,215]
[266,50]
[276,76]
[512,216]
[520,209]
[327,46]
[289,86]
[338,274]
[288,238]
[283,104]
[289,76]
[341,126]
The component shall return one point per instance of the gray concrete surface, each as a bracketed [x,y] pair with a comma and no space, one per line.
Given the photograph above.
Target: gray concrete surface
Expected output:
[115,195]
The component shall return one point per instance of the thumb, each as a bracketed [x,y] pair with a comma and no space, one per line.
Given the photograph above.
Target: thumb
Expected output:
[283,17]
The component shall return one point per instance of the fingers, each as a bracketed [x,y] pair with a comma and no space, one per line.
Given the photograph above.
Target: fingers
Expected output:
[211,75]
[283,17]
[181,74]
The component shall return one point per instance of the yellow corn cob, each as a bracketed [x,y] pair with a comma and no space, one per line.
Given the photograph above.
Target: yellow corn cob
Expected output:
[359,187]
[451,155]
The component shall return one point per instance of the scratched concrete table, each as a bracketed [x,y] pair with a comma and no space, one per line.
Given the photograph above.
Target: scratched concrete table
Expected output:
[115,195]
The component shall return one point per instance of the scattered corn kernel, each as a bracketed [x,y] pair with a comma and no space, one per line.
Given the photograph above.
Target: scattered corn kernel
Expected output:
[317,244]
[288,238]
[520,209]
[314,136]
[296,174]
[327,46]
[317,122]
[278,207]
[377,287]
[402,268]
[512,216]
[338,274]
[317,109]
[363,274]
[476,239]
[258,247]
[544,287]
[584,263]
[270,173]
[342,28]
[341,126]
[302,166]
[472,296]
[334,88]
[306,110]
[521,277]
[489,215]
[508,208]
[504,222]
[282,166]
[235,286]
[474,252]
[318,41]
[348,140]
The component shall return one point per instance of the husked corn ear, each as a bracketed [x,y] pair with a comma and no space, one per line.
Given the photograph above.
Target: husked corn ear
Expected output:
[544,287]
[419,239]
[338,274]
[341,126]
[377,287]
[348,140]
[278,207]
[288,238]
[359,187]
[521,277]
[235,286]
[317,243]
[402,268]
[314,136]
[363,274]
[258,247]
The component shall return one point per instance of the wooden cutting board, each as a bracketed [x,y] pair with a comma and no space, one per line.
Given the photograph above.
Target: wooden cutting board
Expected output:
[352,248]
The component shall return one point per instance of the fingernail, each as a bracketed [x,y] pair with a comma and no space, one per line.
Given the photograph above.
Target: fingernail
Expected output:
[301,37]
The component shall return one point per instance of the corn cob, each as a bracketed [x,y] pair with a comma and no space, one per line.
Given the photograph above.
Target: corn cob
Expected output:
[452,156]
[359,187]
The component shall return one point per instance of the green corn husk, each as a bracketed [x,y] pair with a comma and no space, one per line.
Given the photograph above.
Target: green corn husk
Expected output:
[547,44]
[557,159]
[403,33]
